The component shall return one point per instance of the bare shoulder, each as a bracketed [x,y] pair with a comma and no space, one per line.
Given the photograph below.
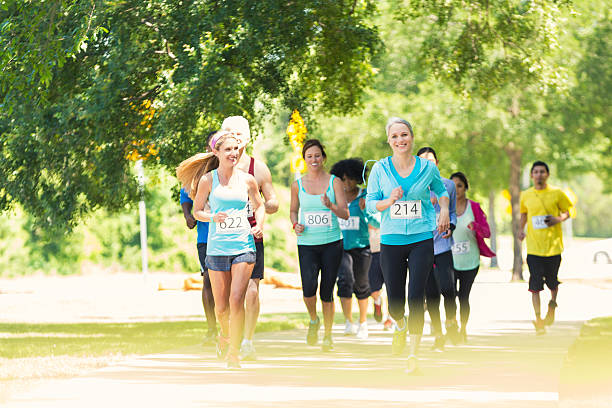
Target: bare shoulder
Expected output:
[262,172]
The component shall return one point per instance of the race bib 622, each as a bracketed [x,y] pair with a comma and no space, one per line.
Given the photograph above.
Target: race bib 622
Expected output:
[234,223]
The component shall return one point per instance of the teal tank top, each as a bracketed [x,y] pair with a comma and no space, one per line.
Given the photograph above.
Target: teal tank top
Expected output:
[320,223]
[466,255]
[355,230]
[233,236]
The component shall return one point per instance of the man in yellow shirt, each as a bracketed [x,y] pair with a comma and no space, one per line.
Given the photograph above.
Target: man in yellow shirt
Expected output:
[543,209]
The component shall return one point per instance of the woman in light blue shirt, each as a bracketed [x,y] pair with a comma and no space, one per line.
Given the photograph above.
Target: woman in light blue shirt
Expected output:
[213,178]
[399,187]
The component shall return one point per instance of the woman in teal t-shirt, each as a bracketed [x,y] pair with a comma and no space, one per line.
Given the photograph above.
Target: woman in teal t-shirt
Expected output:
[317,200]
[356,260]
[230,254]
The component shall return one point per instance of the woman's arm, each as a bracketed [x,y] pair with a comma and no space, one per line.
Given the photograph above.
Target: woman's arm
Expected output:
[199,203]
[340,208]
[258,207]
[294,208]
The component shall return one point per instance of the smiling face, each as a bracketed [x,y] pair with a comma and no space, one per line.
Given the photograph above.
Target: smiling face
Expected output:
[227,151]
[314,158]
[400,139]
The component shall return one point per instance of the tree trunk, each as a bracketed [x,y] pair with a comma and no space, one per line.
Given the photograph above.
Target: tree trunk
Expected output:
[493,226]
[515,193]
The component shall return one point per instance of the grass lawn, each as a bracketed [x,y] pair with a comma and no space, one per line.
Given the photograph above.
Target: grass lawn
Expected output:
[586,376]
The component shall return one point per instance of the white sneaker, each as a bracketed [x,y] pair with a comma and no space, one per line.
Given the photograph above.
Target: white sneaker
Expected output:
[247,351]
[362,331]
[349,328]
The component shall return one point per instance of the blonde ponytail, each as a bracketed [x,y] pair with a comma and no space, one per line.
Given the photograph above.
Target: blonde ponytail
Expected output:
[191,170]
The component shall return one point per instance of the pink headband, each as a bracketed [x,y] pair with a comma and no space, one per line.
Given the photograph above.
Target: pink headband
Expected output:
[213,140]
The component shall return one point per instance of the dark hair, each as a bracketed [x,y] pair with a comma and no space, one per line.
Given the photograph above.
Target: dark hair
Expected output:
[310,143]
[427,150]
[208,136]
[539,163]
[461,177]
[351,168]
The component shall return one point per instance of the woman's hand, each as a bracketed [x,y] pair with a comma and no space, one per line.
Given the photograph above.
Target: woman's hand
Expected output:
[326,201]
[219,217]
[396,194]
[362,204]
[298,228]
[443,221]
[257,231]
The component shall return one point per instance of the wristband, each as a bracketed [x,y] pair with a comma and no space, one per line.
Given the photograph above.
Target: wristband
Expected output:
[294,224]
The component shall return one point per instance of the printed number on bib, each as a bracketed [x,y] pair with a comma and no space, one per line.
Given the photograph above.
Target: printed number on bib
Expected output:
[233,224]
[351,224]
[318,219]
[406,210]
[460,248]
[539,221]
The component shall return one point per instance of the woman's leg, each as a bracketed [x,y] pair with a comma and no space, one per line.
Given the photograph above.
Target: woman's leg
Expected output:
[466,280]
[240,276]
[309,273]
[220,282]
[331,258]
[361,265]
[346,280]
[420,262]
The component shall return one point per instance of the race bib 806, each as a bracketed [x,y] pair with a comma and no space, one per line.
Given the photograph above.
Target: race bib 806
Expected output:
[406,210]
[317,219]
[351,224]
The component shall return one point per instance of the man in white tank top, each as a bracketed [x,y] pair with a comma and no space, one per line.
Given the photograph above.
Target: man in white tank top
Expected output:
[239,126]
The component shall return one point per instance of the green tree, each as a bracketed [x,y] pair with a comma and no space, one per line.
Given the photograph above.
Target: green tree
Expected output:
[148,78]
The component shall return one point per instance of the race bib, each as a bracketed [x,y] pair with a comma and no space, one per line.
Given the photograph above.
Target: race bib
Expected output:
[317,219]
[249,209]
[406,210]
[351,224]
[460,248]
[235,223]
[538,221]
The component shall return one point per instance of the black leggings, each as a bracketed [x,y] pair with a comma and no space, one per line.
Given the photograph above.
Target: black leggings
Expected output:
[325,258]
[395,260]
[441,281]
[353,273]
[464,281]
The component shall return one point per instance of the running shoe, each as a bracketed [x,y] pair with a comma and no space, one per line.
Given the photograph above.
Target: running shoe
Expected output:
[210,338]
[540,327]
[438,344]
[247,352]
[463,336]
[313,332]
[388,324]
[452,331]
[413,366]
[362,331]
[550,314]
[378,312]
[233,361]
[349,328]
[222,347]
[328,344]
[399,339]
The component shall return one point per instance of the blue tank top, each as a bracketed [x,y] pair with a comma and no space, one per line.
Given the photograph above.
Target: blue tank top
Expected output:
[233,236]
[320,223]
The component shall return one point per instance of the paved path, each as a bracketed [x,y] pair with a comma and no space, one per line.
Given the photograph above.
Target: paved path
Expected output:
[504,365]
